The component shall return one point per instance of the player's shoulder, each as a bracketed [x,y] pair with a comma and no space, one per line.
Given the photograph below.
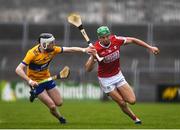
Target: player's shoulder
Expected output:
[58,49]
[115,37]
[34,51]
[97,45]
[120,40]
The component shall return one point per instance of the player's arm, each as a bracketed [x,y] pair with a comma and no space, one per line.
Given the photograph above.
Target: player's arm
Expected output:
[20,70]
[139,42]
[78,49]
[89,66]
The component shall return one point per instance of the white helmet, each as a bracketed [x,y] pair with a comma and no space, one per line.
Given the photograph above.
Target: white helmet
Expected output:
[45,39]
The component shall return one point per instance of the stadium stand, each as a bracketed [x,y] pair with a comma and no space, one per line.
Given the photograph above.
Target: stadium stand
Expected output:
[114,11]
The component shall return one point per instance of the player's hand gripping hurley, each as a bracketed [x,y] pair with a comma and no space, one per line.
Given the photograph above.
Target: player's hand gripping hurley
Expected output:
[64,73]
[75,19]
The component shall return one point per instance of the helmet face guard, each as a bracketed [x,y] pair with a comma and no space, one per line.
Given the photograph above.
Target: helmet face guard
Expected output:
[103,30]
[45,39]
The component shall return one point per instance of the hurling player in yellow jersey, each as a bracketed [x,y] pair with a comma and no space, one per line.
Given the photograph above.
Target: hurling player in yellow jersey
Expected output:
[35,67]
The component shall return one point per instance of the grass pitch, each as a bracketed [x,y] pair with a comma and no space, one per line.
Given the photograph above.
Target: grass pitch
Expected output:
[90,114]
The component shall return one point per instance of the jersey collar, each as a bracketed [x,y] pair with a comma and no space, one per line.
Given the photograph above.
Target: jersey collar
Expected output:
[105,46]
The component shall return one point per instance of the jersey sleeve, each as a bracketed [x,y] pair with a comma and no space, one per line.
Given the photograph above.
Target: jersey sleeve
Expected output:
[121,40]
[28,58]
[58,49]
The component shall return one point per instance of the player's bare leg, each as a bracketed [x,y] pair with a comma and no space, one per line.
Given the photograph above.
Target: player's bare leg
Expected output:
[121,102]
[115,95]
[128,95]
[46,99]
[56,97]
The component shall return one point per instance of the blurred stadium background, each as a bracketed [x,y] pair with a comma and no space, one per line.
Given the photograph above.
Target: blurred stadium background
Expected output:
[154,78]
[156,22]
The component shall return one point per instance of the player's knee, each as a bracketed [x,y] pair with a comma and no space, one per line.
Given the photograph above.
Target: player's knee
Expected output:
[122,103]
[59,103]
[132,101]
[52,107]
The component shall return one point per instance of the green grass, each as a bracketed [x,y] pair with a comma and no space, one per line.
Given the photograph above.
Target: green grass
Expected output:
[88,114]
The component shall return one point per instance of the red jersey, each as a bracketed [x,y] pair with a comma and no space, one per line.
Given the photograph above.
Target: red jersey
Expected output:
[110,66]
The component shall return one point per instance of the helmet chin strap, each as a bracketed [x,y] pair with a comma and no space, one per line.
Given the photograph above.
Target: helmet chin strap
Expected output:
[45,42]
[44,45]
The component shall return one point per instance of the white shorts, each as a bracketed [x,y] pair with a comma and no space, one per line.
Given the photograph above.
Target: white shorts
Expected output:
[110,83]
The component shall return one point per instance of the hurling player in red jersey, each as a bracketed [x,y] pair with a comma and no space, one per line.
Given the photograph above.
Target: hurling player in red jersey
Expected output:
[110,77]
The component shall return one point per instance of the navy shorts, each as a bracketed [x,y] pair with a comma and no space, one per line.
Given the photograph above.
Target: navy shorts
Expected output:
[44,86]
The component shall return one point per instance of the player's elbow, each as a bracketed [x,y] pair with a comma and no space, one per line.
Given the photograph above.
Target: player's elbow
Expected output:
[88,68]
[17,70]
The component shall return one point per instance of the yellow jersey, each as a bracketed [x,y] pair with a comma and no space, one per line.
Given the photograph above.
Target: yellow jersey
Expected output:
[37,62]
